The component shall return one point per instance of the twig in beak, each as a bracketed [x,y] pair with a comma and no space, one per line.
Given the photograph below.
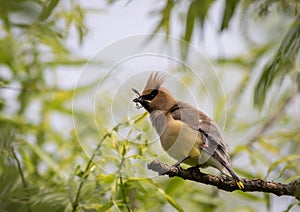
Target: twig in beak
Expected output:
[137,104]
[135,91]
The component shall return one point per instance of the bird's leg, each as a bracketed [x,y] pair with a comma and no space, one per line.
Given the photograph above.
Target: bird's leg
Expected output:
[177,164]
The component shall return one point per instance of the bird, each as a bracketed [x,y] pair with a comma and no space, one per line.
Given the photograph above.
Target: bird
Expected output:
[187,134]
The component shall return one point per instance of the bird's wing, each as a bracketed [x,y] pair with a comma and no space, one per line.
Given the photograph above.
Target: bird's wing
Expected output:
[212,140]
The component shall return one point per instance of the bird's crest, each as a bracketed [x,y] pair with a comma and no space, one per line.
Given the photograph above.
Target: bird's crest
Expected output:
[154,81]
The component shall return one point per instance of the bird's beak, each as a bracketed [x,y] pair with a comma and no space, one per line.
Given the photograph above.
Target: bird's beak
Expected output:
[141,102]
[138,99]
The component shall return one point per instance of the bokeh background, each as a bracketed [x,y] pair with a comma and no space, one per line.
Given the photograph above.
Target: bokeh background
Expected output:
[71,138]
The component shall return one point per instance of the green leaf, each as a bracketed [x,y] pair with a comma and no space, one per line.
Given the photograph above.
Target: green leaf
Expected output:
[264,143]
[239,149]
[290,207]
[70,62]
[282,160]
[47,200]
[282,63]
[165,14]
[48,9]
[173,185]
[105,207]
[8,50]
[250,196]
[170,199]
[52,164]
[161,191]
[107,178]
[198,10]
[190,20]
[229,10]
[7,137]
[97,206]
[8,178]
[298,81]
[291,179]
[289,166]
[54,43]
[244,209]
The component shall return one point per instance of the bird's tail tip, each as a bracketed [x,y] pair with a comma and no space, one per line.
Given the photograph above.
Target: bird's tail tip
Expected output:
[234,176]
[240,185]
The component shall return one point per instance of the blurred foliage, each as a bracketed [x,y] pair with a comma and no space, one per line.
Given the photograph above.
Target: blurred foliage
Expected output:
[282,63]
[196,15]
[43,167]
[32,48]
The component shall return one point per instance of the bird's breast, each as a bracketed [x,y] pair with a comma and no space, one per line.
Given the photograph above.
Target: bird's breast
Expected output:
[179,141]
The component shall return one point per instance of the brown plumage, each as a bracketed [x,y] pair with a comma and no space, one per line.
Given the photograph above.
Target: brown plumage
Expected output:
[186,134]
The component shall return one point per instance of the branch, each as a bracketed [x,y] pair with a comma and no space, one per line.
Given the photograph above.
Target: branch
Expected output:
[226,184]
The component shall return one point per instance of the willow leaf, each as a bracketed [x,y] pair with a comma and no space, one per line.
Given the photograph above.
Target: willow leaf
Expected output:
[229,10]
[282,63]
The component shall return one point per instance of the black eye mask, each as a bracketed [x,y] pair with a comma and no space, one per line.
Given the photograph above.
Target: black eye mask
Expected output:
[143,101]
[151,95]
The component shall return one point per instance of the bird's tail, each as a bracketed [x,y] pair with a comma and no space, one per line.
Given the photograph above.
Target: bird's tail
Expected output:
[236,178]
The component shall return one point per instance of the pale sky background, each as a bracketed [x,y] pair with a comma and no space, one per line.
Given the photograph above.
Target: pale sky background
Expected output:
[122,20]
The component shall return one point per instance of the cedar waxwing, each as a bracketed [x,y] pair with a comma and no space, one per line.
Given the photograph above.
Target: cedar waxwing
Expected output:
[186,134]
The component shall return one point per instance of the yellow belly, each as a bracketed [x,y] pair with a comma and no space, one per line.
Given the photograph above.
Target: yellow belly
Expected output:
[180,141]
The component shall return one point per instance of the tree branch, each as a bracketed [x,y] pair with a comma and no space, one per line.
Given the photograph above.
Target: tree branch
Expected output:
[226,184]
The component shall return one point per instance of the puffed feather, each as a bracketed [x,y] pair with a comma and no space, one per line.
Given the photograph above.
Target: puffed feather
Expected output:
[154,81]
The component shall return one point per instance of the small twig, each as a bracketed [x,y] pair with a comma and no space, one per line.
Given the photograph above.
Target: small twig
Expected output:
[122,186]
[22,177]
[226,184]
[84,177]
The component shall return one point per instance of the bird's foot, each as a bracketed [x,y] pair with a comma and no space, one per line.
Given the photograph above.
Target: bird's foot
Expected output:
[177,164]
[178,168]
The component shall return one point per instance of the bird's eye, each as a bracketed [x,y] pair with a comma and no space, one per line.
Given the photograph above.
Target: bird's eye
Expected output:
[151,95]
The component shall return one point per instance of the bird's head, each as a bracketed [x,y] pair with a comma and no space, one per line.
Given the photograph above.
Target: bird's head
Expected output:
[154,96]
